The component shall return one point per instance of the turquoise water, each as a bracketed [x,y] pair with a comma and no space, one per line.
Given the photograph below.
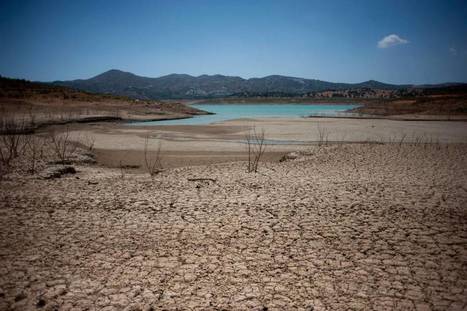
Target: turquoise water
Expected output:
[225,112]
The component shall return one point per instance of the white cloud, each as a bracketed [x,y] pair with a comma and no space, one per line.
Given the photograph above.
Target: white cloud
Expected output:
[453,51]
[391,40]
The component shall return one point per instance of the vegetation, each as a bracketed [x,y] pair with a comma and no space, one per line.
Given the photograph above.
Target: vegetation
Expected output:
[24,89]
[256,147]
[62,145]
[182,86]
[323,134]
[152,160]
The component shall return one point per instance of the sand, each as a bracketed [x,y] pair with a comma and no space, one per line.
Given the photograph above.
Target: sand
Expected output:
[359,226]
[229,135]
[185,145]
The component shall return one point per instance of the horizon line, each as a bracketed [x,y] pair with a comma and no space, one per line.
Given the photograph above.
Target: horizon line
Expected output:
[271,75]
[236,76]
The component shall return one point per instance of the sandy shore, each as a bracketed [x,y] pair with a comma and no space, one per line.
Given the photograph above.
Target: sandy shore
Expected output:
[366,227]
[184,145]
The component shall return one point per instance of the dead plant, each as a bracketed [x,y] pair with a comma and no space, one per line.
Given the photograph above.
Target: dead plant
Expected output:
[35,147]
[152,160]
[62,145]
[88,141]
[122,170]
[12,139]
[255,148]
[323,135]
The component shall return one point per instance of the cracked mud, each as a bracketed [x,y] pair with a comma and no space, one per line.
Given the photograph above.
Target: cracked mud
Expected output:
[373,227]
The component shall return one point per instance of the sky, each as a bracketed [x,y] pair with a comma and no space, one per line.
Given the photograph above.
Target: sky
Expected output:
[404,42]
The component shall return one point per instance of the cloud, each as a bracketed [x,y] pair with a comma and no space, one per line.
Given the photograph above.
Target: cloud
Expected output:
[391,40]
[453,51]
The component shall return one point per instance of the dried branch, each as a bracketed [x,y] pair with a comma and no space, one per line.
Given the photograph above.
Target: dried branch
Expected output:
[152,161]
[255,148]
[323,135]
[202,179]
[62,145]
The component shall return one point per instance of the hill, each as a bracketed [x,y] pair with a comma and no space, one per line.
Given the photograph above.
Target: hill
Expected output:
[183,86]
[30,105]
[28,90]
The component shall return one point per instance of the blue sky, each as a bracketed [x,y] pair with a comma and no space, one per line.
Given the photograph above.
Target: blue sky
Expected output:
[328,40]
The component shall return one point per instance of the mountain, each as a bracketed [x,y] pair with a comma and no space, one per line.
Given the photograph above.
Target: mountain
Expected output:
[178,86]
[20,89]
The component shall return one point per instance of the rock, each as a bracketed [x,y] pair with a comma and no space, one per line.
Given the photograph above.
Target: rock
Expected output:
[87,158]
[20,296]
[57,171]
[289,156]
[56,291]
[119,300]
[133,307]
[40,303]
[78,157]
[59,162]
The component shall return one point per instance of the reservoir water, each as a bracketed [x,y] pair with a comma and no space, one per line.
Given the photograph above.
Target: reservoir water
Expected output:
[224,112]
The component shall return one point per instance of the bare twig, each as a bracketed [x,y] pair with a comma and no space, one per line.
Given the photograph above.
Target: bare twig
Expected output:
[12,142]
[152,161]
[62,145]
[122,170]
[323,135]
[89,141]
[401,141]
[202,179]
[255,148]
[35,147]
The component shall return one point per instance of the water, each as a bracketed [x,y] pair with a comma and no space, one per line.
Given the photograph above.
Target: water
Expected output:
[224,112]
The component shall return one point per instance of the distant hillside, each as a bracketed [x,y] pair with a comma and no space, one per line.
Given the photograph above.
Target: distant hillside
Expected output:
[24,89]
[39,104]
[178,86]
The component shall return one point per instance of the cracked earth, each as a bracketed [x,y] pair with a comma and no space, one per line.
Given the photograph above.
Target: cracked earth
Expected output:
[363,227]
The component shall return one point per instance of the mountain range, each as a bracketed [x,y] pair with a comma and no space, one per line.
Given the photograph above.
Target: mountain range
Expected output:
[183,86]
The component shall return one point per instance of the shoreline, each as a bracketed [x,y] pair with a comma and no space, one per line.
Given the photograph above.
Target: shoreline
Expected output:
[399,117]
[186,145]
[129,121]
[134,116]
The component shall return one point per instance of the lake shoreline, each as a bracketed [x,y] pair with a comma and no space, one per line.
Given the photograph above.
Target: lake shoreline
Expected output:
[187,145]
[224,112]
